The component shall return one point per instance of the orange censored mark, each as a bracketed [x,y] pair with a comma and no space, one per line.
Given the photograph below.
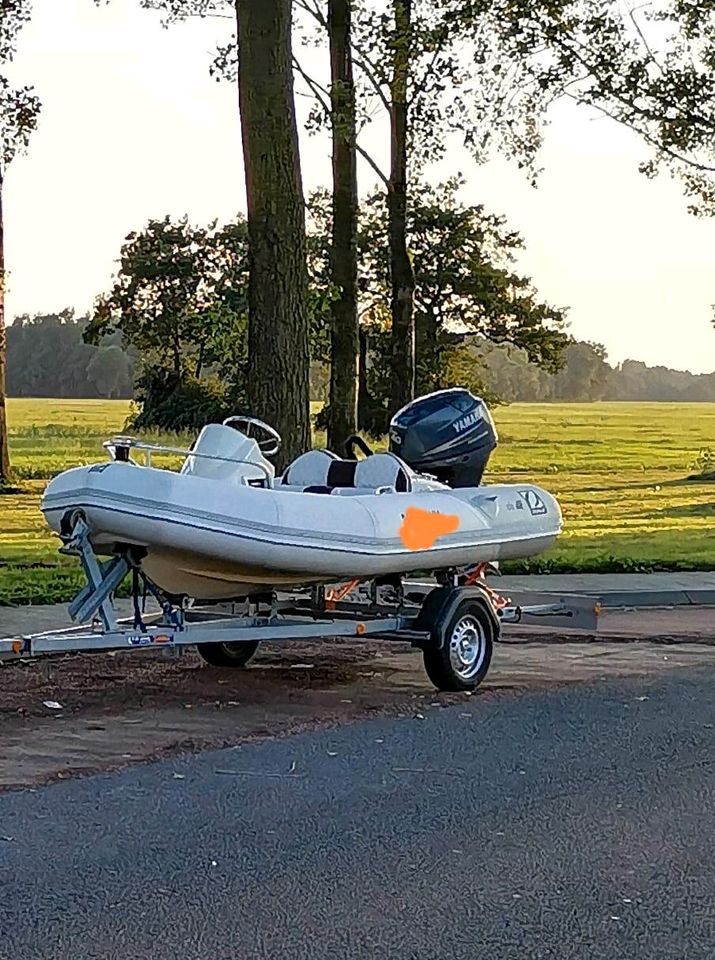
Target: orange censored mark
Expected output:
[421,528]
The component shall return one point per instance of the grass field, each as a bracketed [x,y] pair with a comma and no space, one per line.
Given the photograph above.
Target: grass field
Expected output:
[619,471]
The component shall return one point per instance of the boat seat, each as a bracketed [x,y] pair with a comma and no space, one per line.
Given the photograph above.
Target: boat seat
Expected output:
[383,470]
[321,471]
[310,469]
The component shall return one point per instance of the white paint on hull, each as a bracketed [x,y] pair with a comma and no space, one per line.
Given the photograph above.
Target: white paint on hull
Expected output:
[213,539]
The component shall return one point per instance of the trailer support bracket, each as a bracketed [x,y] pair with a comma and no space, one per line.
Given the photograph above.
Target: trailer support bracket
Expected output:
[102,580]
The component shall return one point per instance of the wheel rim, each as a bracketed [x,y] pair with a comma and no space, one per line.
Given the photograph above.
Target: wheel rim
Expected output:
[467,647]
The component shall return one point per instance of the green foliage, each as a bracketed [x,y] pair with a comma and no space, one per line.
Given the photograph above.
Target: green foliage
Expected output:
[490,71]
[180,303]
[19,113]
[14,14]
[47,357]
[618,470]
[649,67]
[180,296]
[319,382]
[464,258]
[585,375]
[177,404]
[466,285]
[461,367]
[321,291]
[19,107]
[470,74]
[110,370]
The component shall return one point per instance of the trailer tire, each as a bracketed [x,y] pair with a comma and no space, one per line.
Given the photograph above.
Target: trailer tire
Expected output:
[462,661]
[227,654]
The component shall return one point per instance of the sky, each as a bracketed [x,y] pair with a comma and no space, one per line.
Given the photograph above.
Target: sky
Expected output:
[133,127]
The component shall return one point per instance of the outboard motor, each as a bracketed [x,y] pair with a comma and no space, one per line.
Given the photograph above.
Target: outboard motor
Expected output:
[449,434]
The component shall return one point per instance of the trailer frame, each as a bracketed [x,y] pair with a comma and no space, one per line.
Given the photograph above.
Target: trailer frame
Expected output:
[454,619]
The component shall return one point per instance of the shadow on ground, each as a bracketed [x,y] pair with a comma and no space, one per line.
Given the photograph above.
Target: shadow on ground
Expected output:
[107,711]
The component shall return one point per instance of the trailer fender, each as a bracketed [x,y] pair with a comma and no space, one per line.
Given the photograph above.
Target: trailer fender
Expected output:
[440,605]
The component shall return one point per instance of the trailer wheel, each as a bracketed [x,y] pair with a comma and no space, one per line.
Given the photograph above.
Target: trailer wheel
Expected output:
[227,654]
[462,662]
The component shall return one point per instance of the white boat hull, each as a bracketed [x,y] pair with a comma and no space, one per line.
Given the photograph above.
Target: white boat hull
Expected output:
[210,539]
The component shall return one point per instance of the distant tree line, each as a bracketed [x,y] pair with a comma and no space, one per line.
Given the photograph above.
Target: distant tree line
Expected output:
[585,376]
[49,358]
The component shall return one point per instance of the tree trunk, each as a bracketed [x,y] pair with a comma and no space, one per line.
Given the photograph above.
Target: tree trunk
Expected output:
[4,447]
[278,329]
[401,273]
[427,352]
[343,259]
[363,392]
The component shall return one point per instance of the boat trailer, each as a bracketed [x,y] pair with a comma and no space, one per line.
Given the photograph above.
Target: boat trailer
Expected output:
[454,619]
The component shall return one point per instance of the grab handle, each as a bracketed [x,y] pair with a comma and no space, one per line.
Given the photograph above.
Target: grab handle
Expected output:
[356,441]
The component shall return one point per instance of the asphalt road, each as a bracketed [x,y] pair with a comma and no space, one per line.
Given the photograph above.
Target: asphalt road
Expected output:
[573,823]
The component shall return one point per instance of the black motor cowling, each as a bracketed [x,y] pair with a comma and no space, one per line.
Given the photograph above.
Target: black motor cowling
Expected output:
[449,435]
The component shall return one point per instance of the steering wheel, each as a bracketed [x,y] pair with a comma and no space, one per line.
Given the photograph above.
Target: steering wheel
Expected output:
[269,443]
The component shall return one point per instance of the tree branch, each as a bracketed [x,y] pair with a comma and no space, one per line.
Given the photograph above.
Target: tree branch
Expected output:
[420,88]
[649,138]
[320,92]
[313,10]
[632,18]
[366,156]
[573,46]
[367,68]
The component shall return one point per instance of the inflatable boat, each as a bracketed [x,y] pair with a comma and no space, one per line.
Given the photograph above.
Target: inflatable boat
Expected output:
[225,526]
